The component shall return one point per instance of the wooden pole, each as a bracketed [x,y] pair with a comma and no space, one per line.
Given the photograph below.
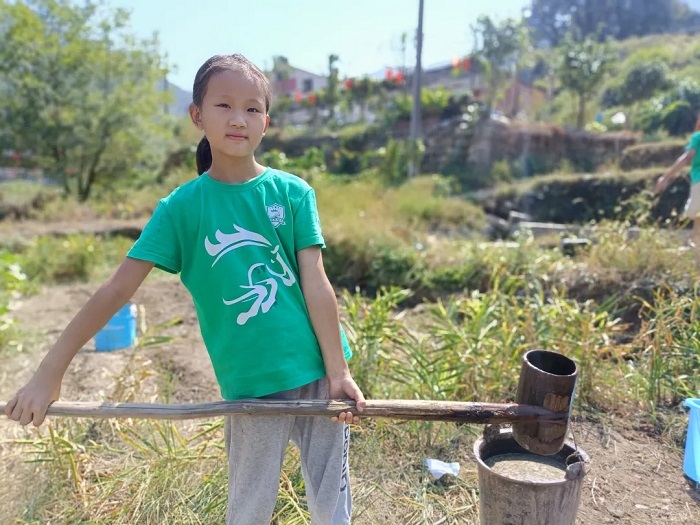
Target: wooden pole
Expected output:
[452,411]
[416,129]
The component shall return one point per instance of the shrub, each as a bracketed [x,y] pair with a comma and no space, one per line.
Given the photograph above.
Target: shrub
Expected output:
[75,257]
[679,118]
[347,162]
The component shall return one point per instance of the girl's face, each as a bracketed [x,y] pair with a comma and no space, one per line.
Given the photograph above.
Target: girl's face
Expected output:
[232,115]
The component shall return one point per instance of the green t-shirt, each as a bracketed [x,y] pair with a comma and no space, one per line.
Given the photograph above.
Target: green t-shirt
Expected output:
[695,166]
[235,248]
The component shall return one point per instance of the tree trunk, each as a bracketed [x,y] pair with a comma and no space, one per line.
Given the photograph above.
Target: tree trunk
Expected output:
[86,187]
[581,111]
[62,170]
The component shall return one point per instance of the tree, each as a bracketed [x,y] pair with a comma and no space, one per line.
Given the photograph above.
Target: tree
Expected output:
[678,118]
[280,108]
[552,20]
[331,96]
[78,93]
[643,80]
[674,110]
[582,67]
[500,46]
[281,71]
[358,91]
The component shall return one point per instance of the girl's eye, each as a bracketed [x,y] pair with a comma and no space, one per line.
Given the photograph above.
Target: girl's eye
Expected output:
[226,106]
[254,110]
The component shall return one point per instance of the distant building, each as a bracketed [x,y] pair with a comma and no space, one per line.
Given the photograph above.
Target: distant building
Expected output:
[292,81]
[444,76]
[517,96]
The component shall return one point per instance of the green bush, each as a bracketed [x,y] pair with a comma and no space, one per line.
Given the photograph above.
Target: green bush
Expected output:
[501,171]
[675,110]
[392,266]
[307,165]
[433,101]
[371,263]
[678,118]
[74,257]
[348,162]
[13,282]
[395,160]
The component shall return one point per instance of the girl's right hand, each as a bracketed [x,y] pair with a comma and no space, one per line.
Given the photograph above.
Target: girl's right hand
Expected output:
[30,403]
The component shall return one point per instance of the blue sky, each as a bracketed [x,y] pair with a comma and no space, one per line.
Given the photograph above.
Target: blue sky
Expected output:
[365,34]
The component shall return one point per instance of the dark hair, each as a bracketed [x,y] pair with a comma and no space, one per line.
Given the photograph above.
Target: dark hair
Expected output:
[214,65]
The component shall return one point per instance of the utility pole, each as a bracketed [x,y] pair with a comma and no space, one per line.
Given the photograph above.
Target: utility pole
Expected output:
[416,131]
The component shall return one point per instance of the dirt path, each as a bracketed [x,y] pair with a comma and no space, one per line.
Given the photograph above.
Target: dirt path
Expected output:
[633,479]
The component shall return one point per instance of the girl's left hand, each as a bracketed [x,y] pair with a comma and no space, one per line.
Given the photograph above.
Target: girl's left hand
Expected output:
[662,184]
[345,388]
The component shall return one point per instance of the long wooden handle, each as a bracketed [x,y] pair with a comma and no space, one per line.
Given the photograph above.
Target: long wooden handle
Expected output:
[454,411]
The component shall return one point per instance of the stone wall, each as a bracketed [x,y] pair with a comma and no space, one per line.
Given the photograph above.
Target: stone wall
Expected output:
[454,146]
[539,148]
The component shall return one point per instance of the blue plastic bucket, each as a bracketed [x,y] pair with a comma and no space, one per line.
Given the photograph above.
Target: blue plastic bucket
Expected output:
[119,332]
[691,462]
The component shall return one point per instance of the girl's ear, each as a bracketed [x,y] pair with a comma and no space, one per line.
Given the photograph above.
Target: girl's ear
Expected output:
[267,123]
[196,116]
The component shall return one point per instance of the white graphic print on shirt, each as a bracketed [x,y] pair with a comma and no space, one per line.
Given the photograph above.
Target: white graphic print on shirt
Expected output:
[262,288]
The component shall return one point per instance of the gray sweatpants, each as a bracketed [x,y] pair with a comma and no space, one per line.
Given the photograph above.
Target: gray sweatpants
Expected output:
[256,445]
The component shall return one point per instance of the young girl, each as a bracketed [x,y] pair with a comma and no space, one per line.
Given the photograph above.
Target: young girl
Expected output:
[692,206]
[246,240]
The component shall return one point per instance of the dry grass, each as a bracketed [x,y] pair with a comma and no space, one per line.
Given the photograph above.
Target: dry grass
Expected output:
[362,209]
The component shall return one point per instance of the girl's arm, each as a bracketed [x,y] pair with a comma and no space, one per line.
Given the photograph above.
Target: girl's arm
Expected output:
[30,402]
[323,310]
[674,170]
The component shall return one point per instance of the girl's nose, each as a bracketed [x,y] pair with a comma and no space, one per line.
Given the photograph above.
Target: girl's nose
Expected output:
[236,121]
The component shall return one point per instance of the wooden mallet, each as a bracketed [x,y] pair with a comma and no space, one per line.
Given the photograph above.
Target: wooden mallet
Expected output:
[540,415]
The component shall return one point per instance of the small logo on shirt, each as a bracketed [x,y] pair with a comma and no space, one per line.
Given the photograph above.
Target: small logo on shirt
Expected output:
[276,214]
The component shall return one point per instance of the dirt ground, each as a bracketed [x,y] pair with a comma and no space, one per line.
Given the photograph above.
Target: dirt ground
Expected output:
[633,478]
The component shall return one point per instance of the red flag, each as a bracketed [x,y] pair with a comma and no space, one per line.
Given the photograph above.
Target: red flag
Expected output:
[312,98]
[389,75]
[298,96]
[399,77]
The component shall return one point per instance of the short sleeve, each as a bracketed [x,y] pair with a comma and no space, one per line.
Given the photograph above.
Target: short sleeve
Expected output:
[307,226]
[159,242]
[694,142]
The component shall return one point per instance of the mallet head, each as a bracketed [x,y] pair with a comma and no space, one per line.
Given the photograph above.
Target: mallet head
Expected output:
[547,380]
